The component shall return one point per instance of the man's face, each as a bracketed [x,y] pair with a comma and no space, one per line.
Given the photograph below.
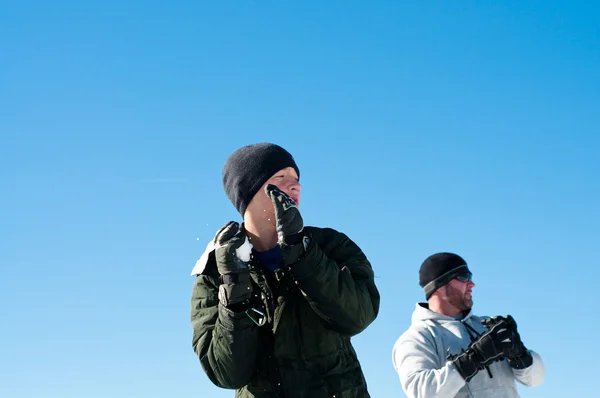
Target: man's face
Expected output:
[459,294]
[261,207]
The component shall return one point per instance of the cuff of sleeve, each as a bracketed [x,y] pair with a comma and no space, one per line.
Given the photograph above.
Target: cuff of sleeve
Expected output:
[233,320]
[308,262]
[534,374]
[454,376]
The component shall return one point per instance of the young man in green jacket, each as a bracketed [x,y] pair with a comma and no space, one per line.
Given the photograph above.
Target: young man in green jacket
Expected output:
[275,303]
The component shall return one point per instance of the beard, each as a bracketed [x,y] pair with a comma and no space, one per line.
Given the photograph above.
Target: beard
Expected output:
[458,299]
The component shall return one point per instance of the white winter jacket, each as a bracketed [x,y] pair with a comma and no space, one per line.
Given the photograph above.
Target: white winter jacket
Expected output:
[420,358]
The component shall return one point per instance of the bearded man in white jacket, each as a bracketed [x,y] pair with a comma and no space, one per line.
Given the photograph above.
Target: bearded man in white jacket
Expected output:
[449,352]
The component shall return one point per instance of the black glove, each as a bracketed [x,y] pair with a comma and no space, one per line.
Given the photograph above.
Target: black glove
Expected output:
[483,351]
[289,224]
[235,290]
[516,353]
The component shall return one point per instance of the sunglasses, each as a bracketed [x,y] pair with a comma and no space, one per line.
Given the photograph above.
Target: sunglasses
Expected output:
[464,278]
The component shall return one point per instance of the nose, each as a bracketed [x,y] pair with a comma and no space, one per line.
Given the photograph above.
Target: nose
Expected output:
[295,186]
[471,284]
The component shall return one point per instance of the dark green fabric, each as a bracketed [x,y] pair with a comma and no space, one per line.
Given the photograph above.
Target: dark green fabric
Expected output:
[313,308]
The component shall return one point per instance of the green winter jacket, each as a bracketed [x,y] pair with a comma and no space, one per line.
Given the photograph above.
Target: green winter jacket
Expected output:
[312,309]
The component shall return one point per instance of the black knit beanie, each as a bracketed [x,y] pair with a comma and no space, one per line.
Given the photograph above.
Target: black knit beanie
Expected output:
[249,167]
[439,269]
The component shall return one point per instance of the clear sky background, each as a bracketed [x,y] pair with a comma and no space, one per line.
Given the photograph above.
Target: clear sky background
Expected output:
[418,127]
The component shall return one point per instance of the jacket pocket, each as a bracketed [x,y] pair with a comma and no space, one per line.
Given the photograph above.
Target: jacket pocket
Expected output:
[350,384]
[354,392]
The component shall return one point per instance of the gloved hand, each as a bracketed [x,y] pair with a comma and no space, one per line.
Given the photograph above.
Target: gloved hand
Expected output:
[236,287]
[289,224]
[516,353]
[486,349]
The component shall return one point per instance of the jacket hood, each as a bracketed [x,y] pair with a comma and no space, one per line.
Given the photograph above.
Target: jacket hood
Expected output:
[423,313]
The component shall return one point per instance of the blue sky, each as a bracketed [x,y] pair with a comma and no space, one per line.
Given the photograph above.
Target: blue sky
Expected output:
[447,126]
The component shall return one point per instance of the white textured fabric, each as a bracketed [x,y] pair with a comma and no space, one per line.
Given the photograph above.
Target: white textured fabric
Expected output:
[420,358]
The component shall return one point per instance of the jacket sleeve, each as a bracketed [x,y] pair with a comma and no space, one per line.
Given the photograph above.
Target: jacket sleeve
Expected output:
[339,287]
[534,375]
[225,342]
[416,360]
